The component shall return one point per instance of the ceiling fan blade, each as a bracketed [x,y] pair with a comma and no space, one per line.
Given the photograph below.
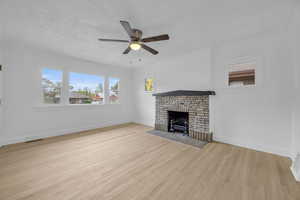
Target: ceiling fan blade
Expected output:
[127,50]
[127,28]
[147,48]
[156,38]
[112,40]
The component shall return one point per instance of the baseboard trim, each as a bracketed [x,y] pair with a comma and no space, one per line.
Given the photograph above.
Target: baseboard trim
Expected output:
[266,149]
[61,132]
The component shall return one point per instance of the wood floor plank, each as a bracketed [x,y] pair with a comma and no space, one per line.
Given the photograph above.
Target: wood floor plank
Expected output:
[125,163]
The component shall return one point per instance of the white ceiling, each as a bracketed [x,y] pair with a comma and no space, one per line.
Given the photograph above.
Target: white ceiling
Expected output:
[73,26]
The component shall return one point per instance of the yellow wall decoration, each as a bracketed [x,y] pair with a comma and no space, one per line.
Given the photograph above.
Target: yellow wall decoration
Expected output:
[149,85]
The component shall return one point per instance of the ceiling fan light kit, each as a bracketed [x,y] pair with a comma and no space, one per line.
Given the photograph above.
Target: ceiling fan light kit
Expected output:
[135,46]
[136,42]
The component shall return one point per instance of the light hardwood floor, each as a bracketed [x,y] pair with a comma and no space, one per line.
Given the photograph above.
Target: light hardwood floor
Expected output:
[126,163]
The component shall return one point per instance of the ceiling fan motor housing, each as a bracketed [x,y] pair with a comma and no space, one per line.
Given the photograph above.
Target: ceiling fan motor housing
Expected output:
[137,34]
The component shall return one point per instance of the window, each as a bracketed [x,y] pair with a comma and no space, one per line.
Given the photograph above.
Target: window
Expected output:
[79,88]
[52,85]
[114,90]
[242,74]
[149,85]
[86,89]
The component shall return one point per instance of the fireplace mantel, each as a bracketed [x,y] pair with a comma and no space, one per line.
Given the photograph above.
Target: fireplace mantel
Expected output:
[185,93]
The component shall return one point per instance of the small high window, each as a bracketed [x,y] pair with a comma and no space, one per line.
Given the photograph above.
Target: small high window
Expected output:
[52,85]
[86,89]
[242,75]
[114,90]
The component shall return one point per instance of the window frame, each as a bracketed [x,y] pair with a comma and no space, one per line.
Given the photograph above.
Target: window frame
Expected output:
[65,92]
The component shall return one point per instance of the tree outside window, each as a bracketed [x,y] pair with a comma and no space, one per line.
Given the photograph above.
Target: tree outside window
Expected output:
[86,89]
[52,85]
[114,90]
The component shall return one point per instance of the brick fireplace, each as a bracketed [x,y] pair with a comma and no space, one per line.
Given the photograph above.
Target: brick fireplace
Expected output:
[193,104]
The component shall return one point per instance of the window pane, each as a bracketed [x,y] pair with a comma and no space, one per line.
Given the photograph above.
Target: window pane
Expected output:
[86,89]
[242,74]
[52,84]
[245,77]
[114,91]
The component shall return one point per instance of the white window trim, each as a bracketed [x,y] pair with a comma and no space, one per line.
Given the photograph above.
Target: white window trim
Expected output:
[65,92]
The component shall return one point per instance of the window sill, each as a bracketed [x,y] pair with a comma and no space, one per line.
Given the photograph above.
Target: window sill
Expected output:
[241,86]
[45,107]
[112,104]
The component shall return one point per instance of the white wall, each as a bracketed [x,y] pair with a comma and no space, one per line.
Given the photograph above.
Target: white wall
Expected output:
[295,44]
[1,89]
[187,72]
[256,117]
[25,119]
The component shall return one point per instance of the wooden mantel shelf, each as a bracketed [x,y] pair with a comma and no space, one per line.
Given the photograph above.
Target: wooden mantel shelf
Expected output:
[185,93]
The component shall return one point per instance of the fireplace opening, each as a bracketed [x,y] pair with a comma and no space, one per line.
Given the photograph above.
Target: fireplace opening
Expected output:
[178,122]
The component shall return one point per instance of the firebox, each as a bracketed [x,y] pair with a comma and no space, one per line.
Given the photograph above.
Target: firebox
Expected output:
[178,122]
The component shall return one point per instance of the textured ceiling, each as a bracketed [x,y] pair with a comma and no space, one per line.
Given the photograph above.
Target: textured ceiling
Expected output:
[73,26]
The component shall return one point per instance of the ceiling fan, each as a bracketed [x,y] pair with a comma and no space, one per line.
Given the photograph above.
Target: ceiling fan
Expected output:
[136,41]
